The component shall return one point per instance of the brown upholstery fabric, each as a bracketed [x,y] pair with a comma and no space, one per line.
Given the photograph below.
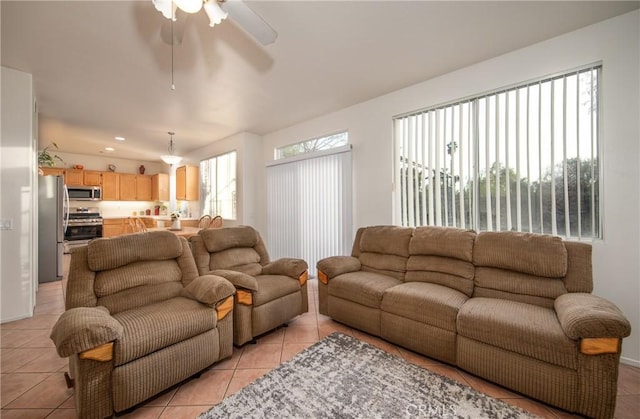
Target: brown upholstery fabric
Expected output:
[453,273]
[135,297]
[292,268]
[388,240]
[336,265]
[209,289]
[518,327]
[244,260]
[84,328]
[80,291]
[579,276]
[181,318]
[118,251]
[363,288]
[426,303]
[533,254]
[218,239]
[271,287]
[136,274]
[238,279]
[391,265]
[448,242]
[588,316]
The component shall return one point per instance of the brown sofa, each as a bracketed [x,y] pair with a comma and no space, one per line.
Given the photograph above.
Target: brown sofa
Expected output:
[269,293]
[513,308]
[138,320]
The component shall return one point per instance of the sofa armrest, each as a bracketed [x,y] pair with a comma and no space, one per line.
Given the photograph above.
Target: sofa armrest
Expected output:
[238,279]
[84,328]
[286,266]
[583,316]
[337,265]
[209,289]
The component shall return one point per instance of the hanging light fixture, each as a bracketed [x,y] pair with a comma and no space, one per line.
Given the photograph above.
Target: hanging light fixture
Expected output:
[211,7]
[171,158]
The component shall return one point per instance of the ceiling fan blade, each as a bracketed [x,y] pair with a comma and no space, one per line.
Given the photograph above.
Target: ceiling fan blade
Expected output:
[250,21]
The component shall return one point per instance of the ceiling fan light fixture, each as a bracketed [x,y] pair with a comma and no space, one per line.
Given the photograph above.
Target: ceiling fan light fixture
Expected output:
[166,7]
[189,6]
[215,13]
[171,158]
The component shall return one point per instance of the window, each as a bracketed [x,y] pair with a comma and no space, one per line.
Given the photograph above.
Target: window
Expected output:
[309,146]
[218,183]
[523,159]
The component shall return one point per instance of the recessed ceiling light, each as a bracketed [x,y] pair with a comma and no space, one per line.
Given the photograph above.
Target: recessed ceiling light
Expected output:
[119,138]
[109,149]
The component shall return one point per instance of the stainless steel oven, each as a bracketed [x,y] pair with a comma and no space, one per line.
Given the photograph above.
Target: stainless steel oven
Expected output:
[83,224]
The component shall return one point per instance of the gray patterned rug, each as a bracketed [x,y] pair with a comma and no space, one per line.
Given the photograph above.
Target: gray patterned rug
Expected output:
[342,377]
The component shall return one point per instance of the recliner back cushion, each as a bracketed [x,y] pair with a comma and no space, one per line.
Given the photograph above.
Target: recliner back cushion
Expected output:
[119,251]
[138,284]
[385,249]
[218,239]
[443,256]
[521,267]
[245,260]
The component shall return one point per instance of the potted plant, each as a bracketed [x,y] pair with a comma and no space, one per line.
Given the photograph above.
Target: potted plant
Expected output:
[175,220]
[46,159]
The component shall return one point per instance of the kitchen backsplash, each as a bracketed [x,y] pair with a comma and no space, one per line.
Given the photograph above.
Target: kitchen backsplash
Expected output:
[127,208]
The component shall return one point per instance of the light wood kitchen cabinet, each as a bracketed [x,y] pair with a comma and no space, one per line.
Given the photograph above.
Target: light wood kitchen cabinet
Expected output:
[187,183]
[52,171]
[92,178]
[160,187]
[143,188]
[73,177]
[110,186]
[114,227]
[127,187]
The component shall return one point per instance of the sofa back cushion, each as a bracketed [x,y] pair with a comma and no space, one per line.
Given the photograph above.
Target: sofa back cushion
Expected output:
[139,269]
[235,248]
[531,268]
[383,249]
[442,255]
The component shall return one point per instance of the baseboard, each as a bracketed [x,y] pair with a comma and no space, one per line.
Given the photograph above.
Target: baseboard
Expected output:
[629,361]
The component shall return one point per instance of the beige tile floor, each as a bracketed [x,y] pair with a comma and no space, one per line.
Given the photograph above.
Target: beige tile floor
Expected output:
[33,386]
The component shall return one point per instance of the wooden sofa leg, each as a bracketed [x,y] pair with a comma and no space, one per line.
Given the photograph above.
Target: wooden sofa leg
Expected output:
[70,382]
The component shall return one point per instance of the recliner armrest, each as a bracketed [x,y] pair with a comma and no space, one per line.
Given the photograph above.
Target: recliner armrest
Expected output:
[286,266]
[338,265]
[238,279]
[209,289]
[584,315]
[82,328]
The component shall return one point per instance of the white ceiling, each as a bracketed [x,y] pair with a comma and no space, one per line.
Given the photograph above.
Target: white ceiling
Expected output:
[101,69]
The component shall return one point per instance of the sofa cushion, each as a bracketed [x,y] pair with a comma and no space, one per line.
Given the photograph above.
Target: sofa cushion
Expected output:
[526,329]
[110,253]
[244,260]
[424,302]
[271,287]
[156,326]
[455,243]
[217,239]
[366,288]
[390,240]
[449,272]
[533,254]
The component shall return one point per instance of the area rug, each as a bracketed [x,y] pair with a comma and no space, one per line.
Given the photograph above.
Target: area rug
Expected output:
[342,377]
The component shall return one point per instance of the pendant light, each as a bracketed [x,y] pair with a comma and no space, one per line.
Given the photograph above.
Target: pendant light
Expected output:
[171,158]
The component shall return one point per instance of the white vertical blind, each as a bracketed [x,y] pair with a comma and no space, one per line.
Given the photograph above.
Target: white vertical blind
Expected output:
[467,164]
[309,207]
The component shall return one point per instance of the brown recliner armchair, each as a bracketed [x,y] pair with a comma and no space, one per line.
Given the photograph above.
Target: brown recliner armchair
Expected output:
[138,320]
[268,294]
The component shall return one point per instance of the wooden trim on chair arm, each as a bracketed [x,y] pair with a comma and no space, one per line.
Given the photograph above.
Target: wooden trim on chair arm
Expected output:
[598,346]
[99,353]
[322,277]
[304,276]
[224,307]
[244,297]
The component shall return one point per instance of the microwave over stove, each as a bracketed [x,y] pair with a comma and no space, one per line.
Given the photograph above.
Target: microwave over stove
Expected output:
[85,193]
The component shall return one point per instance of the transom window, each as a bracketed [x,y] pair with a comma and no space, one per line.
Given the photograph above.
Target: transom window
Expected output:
[315,144]
[524,158]
[218,186]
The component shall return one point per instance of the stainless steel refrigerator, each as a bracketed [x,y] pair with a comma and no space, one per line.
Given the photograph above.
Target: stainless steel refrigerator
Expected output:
[51,204]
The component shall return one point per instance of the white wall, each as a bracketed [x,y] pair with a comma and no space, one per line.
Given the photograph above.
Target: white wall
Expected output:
[247,147]
[616,42]
[18,279]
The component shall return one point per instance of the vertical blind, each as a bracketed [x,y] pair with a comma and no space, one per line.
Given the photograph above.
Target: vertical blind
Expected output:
[523,159]
[309,207]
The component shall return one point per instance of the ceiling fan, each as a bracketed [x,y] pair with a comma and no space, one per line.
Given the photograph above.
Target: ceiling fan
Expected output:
[217,11]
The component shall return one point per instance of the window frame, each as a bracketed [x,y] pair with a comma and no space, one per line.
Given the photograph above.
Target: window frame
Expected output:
[215,202]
